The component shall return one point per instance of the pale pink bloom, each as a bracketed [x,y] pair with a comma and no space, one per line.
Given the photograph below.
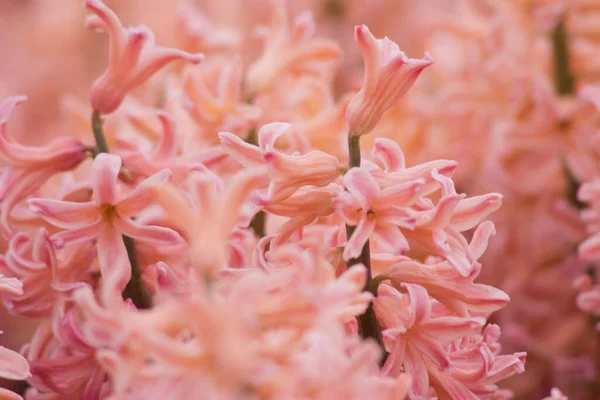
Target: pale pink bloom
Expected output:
[224,109]
[446,285]
[438,229]
[255,330]
[27,168]
[141,164]
[106,218]
[133,58]
[200,34]
[34,261]
[302,208]
[476,367]
[209,214]
[289,50]
[288,172]
[388,75]
[415,337]
[376,212]
[62,362]
[556,394]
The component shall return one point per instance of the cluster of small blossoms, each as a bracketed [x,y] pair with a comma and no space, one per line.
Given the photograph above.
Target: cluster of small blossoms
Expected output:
[192,247]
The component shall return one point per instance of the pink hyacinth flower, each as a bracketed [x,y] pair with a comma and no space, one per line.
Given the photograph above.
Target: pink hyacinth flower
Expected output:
[289,48]
[389,73]
[106,217]
[27,168]
[415,337]
[208,216]
[131,61]
[288,172]
[377,212]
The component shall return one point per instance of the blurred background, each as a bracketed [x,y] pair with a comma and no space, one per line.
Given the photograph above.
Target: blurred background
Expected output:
[512,97]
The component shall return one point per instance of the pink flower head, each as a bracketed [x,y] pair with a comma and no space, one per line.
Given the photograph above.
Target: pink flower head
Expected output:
[27,168]
[377,212]
[224,110]
[389,73]
[288,172]
[34,261]
[416,335]
[106,218]
[446,285]
[131,61]
[289,49]
[208,215]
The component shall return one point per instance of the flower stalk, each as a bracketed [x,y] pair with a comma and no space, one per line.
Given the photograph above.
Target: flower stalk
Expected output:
[563,78]
[135,289]
[367,322]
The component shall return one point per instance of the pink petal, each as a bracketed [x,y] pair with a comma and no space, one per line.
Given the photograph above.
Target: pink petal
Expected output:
[158,58]
[147,233]
[113,27]
[269,133]
[244,153]
[446,329]
[358,239]
[420,305]
[114,265]
[105,176]
[469,212]
[142,196]
[65,214]
[369,47]
[79,235]
[10,286]
[12,365]
[414,365]
[390,154]
[363,186]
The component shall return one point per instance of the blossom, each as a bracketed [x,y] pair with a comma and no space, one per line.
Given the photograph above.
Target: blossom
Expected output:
[26,168]
[43,274]
[131,60]
[377,212]
[289,49]
[415,336]
[106,218]
[208,220]
[288,172]
[225,109]
[389,73]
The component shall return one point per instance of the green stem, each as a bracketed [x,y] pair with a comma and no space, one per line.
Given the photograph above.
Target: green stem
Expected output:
[135,289]
[260,219]
[367,322]
[101,145]
[563,79]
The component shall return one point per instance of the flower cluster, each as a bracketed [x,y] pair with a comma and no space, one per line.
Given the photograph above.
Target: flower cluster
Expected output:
[232,218]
